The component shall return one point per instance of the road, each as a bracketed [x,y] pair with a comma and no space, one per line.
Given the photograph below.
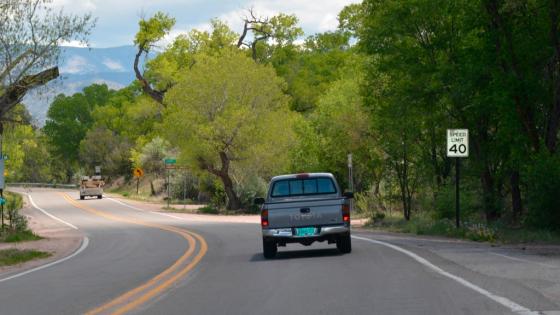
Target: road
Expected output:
[141,262]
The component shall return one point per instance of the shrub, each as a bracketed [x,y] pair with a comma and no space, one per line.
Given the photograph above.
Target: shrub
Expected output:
[365,203]
[208,210]
[543,181]
[445,202]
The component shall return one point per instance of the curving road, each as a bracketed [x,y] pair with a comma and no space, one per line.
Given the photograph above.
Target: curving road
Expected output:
[137,261]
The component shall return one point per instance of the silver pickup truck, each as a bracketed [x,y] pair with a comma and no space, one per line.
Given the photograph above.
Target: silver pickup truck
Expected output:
[305,208]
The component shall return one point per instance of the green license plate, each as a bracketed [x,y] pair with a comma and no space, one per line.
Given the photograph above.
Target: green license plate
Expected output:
[306,231]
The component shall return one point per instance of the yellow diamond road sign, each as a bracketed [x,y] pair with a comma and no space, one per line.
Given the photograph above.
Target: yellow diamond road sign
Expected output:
[138,172]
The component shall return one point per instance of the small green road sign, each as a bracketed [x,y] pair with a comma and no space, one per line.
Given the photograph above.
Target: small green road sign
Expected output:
[170,161]
[2,201]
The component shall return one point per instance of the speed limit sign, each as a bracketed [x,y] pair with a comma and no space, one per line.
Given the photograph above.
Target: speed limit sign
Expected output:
[457,142]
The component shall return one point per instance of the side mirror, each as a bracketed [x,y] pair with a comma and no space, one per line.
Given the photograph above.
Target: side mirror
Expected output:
[258,201]
[348,194]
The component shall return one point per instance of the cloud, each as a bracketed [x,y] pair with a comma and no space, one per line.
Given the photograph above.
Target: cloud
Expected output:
[314,16]
[73,43]
[118,20]
[76,64]
[113,65]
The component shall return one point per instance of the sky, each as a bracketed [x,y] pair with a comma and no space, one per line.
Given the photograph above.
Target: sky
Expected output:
[117,20]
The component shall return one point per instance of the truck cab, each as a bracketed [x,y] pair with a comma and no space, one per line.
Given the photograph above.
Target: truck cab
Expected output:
[305,208]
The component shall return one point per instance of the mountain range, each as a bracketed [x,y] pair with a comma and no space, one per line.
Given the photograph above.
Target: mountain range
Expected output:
[80,67]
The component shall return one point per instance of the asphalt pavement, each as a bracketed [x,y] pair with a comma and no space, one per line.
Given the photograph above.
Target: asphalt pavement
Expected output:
[141,262]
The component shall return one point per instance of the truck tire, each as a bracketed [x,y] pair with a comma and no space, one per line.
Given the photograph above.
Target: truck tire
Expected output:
[344,243]
[269,249]
[82,197]
[99,196]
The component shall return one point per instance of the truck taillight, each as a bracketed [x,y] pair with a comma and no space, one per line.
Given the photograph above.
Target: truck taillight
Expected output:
[264,218]
[346,213]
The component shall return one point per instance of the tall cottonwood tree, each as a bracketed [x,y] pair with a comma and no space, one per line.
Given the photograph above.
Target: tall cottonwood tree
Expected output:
[30,34]
[229,112]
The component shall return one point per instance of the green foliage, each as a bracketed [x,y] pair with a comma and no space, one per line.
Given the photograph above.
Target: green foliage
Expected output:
[9,257]
[20,236]
[70,117]
[208,210]
[444,204]
[422,225]
[166,68]
[153,30]
[103,147]
[309,72]
[543,176]
[229,111]
[152,154]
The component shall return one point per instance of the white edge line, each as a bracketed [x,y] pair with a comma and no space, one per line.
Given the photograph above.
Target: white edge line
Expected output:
[50,215]
[514,307]
[85,243]
[142,210]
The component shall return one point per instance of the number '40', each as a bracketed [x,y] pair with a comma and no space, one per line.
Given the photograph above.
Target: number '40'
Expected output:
[461,148]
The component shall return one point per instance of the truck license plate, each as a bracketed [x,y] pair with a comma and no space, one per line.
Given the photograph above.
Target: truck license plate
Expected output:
[306,231]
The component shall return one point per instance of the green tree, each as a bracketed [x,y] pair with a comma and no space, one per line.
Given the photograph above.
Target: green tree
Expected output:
[104,148]
[70,117]
[237,117]
[309,70]
[151,31]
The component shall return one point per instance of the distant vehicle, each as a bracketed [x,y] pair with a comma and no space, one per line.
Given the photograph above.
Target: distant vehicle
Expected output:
[91,186]
[305,208]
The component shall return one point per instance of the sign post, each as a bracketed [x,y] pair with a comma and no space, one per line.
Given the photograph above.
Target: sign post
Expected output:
[457,147]
[350,177]
[138,172]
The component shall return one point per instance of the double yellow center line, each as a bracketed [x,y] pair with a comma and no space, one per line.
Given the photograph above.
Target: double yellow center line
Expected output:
[134,298]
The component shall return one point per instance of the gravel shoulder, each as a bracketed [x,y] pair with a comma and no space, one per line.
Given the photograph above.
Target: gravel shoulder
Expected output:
[58,240]
[517,270]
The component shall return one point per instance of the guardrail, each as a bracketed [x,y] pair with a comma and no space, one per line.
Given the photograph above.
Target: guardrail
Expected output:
[42,185]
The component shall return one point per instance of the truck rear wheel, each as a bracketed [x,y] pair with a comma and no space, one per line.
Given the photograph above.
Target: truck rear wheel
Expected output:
[269,249]
[99,196]
[82,197]
[344,243]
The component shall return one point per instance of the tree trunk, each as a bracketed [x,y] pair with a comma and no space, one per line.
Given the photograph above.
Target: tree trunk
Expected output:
[516,203]
[233,202]
[152,189]
[146,87]
[489,196]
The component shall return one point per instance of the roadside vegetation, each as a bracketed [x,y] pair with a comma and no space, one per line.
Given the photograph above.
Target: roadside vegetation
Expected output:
[14,228]
[235,107]
[10,257]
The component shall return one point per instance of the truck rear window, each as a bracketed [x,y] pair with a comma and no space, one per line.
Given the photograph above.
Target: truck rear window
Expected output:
[303,187]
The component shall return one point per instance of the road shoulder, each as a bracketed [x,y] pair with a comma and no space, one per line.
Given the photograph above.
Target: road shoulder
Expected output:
[58,240]
[528,274]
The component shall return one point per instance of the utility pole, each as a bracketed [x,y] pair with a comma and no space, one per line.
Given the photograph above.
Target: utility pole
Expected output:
[185,192]
[350,177]
[168,188]
[2,173]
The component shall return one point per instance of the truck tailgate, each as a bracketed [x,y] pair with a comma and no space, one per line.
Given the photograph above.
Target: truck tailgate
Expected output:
[305,213]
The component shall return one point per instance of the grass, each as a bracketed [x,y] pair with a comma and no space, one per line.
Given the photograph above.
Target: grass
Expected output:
[19,236]
[9,257]
[470,230]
